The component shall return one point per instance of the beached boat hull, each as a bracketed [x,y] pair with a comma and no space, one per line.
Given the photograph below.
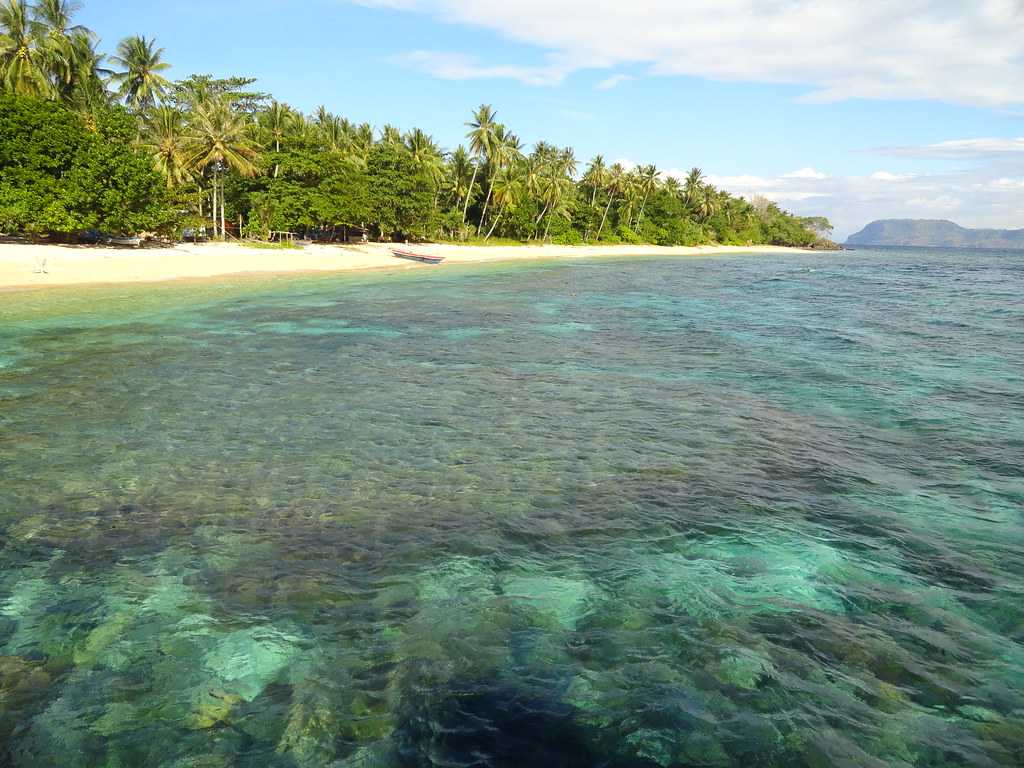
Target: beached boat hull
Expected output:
[421,257]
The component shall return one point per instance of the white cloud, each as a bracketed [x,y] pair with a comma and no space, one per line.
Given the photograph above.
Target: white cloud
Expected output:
[738,182]
[609,83]
[949,50]
[940,203]
[887,176]
[455,66]
[958,149]
[807,173]
[1008,184]
[974,197]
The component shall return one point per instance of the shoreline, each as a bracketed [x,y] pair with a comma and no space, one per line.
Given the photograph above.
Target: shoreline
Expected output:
[90,265]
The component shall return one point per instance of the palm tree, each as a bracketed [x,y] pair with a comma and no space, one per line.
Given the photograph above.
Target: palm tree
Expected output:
[219,140]
[556,196]
[164,137]
[391,136]
[693,185]
[87,89]
[481,139]
[614,182]
[25,57]
[141,84]
[568,163]
[461,170]
[55,17]
[427,158]
[648,183]
[362,139]
[595,177]
[505,150]
[630,197]
[507,186]
[331,132]
[277,121]
[708,204]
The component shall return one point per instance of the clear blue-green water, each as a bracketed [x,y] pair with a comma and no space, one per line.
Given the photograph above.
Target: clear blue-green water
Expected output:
[750,511]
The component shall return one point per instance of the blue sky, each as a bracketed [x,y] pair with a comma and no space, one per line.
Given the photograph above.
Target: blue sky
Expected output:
[852,110]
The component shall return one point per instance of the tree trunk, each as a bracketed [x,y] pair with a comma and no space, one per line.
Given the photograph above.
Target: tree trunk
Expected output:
[538,221]
[469,193]
[487,202]
[494,225]
[640,218]
[604,218]
[547,228]
[223,229]
[277,148]
[213,206]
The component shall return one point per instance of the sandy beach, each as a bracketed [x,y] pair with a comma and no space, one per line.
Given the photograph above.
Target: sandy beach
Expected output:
[34,266]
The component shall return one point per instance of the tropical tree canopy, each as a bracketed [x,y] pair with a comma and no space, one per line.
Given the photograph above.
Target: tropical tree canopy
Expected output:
[233,160]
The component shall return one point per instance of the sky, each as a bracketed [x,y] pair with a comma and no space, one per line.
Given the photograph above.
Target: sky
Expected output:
[855,110]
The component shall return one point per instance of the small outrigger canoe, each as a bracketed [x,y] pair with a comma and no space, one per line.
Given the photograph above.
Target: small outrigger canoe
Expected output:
[417,256]
[125,242]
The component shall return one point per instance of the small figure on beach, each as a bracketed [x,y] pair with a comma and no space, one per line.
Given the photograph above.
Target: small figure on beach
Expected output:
[40,267]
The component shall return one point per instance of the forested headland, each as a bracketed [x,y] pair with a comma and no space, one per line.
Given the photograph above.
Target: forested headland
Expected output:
[97,142]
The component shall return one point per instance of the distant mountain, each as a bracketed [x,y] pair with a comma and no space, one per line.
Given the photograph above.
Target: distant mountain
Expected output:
[943,234]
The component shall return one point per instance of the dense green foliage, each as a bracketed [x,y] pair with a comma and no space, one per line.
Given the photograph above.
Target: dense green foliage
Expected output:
[60,175]
[234,158]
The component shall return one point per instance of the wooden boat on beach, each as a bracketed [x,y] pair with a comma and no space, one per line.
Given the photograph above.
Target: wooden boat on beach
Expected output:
[422,257]
[124,242]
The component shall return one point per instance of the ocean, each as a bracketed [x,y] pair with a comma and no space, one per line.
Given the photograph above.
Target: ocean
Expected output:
[723,511]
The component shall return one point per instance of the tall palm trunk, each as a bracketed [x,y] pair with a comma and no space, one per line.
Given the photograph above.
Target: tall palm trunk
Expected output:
[213,206]
[277,148]
[469,192]
[540,218]
[223,229]
[593,204]
[487,202]
[495,224]
[640,218]
[604,218]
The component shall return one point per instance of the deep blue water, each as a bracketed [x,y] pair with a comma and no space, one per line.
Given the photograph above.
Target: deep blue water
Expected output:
[728,511]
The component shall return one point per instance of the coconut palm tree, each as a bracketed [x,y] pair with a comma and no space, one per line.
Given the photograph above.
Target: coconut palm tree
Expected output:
[391,136]
[55,16]
[220,141]
[481,140]
[556,197]
[427,157]
[165,138]
[693,185]
[507,186]
[277,122]
[630,190]
[707,205]
[462,173]
[568,163]
[671,186]
[141,84]
[25,57]
[506,150]
[648,183]
[332,132]
[596,177]
[613,183]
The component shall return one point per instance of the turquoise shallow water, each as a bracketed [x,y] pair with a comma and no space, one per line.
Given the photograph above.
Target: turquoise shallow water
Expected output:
[705,512]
